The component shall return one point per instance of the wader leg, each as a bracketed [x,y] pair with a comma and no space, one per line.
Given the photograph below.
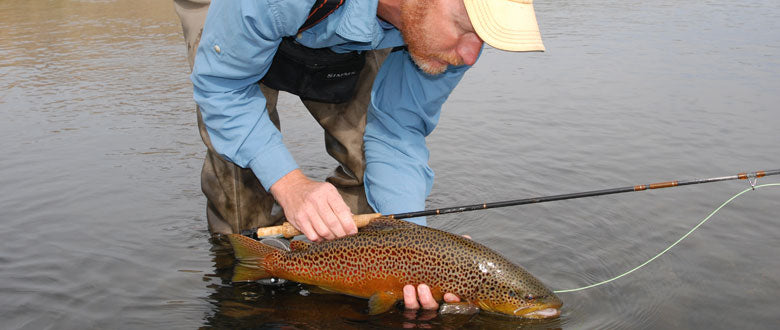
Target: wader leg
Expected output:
[192,14]
[236,199]
[344,125]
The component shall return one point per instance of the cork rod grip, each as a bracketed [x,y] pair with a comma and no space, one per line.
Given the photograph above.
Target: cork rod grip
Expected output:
[288,231]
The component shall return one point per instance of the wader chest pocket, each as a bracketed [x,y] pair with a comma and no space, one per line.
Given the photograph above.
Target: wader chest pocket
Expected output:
[314,74]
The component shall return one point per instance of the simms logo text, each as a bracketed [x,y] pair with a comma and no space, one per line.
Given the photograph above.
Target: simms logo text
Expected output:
[340,74]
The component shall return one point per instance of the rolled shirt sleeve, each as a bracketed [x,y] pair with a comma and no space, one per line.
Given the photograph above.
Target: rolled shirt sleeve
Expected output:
[239,40]
[405,107]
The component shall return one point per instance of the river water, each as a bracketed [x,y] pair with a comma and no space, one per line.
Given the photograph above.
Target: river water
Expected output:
[103,221]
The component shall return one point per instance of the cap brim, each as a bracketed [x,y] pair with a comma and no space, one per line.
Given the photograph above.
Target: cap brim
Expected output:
[506,24]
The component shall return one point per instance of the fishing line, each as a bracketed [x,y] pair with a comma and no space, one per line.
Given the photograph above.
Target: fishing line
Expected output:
[752,187]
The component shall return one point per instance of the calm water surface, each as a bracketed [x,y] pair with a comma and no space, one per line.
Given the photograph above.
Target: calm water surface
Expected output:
[104,223]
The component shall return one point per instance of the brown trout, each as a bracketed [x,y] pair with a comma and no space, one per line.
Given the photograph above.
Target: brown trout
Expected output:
[387,254]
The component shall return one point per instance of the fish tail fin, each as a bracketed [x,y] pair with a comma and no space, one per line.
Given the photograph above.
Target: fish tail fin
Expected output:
[251,256]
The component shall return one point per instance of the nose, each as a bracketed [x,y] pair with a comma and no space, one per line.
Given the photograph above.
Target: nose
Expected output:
[468,48]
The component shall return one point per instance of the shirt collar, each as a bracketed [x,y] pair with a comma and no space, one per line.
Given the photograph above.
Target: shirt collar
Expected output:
[358,21]
[354,26]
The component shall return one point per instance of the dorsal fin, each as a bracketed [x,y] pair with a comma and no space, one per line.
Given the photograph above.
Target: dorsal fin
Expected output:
[385,223]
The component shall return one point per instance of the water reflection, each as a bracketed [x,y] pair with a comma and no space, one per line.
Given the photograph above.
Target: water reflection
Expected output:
[103,218]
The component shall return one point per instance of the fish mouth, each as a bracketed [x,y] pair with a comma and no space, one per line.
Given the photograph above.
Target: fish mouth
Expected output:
[543,313]
[539,312]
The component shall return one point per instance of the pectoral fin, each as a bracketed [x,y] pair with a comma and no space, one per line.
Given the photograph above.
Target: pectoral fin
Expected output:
[381,302]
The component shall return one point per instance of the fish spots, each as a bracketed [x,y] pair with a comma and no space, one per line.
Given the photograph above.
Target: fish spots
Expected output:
[390,255]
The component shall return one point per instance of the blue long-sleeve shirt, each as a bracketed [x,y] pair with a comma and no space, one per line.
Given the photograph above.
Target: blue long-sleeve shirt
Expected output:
[237,46]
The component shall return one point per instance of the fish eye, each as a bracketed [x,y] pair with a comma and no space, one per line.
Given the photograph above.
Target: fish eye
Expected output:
[529,297]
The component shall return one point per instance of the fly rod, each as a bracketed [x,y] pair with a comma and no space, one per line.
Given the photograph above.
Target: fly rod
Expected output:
[363,219]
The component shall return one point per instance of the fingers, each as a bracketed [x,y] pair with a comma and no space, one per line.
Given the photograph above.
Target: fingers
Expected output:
[315,208]
[414,298]
[426,298]
[310,223]
[306,228]
[451,298]
[333,219]
[410,297]
[321,226]
[342,213]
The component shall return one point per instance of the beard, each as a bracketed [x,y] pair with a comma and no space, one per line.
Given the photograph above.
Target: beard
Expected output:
[417,32]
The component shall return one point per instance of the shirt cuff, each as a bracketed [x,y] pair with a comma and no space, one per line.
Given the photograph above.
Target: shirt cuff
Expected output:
[271,165]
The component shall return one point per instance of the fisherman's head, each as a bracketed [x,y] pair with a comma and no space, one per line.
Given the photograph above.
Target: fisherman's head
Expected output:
[451,32]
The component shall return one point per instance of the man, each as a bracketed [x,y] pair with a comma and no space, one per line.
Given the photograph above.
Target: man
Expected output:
[377,135]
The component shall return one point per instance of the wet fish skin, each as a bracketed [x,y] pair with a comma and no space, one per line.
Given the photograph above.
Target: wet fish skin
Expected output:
[377,262]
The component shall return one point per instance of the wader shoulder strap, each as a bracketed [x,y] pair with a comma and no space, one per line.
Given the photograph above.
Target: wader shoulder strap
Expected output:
[320,10]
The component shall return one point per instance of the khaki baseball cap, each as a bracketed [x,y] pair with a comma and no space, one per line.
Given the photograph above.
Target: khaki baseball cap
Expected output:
[506,24]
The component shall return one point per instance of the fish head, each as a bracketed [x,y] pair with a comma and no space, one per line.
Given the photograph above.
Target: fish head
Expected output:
[515,292]
[525,305]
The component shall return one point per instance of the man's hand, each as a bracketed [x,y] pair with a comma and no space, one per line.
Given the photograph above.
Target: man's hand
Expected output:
[423,294]
[314,207]
[415,297]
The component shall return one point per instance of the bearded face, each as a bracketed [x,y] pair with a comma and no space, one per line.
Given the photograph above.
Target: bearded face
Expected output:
[418,18]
